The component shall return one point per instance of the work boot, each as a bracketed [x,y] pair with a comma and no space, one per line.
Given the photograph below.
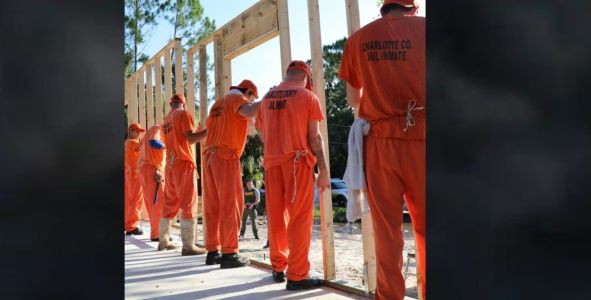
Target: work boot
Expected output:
[279,276]
[267,245]
[136,231]
[233,260]
[164,237]
[213,258]
[188,238]
[305,284]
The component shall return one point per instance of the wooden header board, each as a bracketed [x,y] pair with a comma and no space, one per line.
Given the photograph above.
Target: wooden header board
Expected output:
[254,26]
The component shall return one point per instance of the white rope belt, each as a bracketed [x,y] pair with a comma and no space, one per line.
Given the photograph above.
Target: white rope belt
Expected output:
[299,155]
[170,161]
[410,121]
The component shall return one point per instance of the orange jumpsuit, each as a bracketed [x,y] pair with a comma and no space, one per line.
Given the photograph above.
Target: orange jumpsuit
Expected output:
[289,178]
[224,195]
[133,187]
[180,190]
[151,160]
[386,58]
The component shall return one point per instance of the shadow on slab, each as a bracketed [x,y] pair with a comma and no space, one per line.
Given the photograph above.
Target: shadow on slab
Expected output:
[168,276]
[217,291]
[279,294]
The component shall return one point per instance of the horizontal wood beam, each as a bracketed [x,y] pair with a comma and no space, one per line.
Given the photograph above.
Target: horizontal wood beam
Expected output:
[335,284]
[195,48]
[254,26]
[162,51]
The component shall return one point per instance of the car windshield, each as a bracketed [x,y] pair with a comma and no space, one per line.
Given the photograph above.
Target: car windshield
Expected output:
[338,185]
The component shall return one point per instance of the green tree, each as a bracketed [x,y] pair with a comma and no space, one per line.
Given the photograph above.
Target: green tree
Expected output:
[339,115]
[186,17]
[252,159]
[140,17]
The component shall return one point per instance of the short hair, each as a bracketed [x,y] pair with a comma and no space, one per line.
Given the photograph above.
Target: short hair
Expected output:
[386,9]
[292,72]
[242,90]
[176,104]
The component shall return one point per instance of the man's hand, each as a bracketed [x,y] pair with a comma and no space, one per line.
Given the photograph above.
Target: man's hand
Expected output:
[323,182]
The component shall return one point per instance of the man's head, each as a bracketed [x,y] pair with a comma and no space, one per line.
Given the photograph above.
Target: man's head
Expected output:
[299,71]
[177,101]
[399,7]
[249,184]
[248,89]
[135,129]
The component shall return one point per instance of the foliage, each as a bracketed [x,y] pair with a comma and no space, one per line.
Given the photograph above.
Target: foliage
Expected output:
[252,160]
[186,17]
[338,113]
[339,214]
[140,17]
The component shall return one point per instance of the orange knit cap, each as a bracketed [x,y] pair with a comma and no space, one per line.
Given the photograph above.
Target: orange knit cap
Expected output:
[136,126]
[177,98]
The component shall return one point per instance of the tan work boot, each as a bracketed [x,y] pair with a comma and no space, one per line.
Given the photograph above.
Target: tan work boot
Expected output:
[164,237]
[188,237]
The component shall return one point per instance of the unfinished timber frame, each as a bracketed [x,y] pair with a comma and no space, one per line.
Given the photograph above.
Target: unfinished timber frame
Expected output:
[143,90]
[261,22]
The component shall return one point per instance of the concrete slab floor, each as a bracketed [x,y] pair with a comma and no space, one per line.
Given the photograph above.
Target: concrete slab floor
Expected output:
[151,274]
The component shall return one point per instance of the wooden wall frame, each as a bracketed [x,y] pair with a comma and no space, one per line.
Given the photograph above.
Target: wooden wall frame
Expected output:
[261,22]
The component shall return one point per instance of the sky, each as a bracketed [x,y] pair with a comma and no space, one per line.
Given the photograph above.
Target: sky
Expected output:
[262,64]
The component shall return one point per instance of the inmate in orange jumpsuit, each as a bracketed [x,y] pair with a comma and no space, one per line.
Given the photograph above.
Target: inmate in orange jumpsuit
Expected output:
[224,196]
[387,59]
[180,189]
[151,160]
[133,187]
[289,177]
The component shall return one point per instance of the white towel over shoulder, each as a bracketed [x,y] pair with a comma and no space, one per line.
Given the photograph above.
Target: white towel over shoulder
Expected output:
[354,175]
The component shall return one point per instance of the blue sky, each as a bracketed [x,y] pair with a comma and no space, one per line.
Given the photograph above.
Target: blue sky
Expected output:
[263,64]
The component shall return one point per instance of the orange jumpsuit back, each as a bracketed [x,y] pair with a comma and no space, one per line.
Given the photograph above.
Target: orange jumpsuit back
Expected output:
[224,196]
[151,160]
[180,189]
[289,178]
[133,187]
[386,58]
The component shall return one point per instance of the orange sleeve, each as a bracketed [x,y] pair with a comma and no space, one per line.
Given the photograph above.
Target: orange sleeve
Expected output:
[315,110]
[348,68]
[186,122]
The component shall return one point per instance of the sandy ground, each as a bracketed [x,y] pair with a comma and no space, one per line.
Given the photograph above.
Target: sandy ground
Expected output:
[347,247]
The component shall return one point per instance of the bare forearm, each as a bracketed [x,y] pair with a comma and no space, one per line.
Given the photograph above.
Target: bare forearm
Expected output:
[196,136]
[353,96]
[249,110]
[317,146]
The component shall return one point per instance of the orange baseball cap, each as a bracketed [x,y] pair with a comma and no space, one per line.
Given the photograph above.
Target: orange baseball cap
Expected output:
[136,126]
[302,66]
[247,85]
[177,98]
